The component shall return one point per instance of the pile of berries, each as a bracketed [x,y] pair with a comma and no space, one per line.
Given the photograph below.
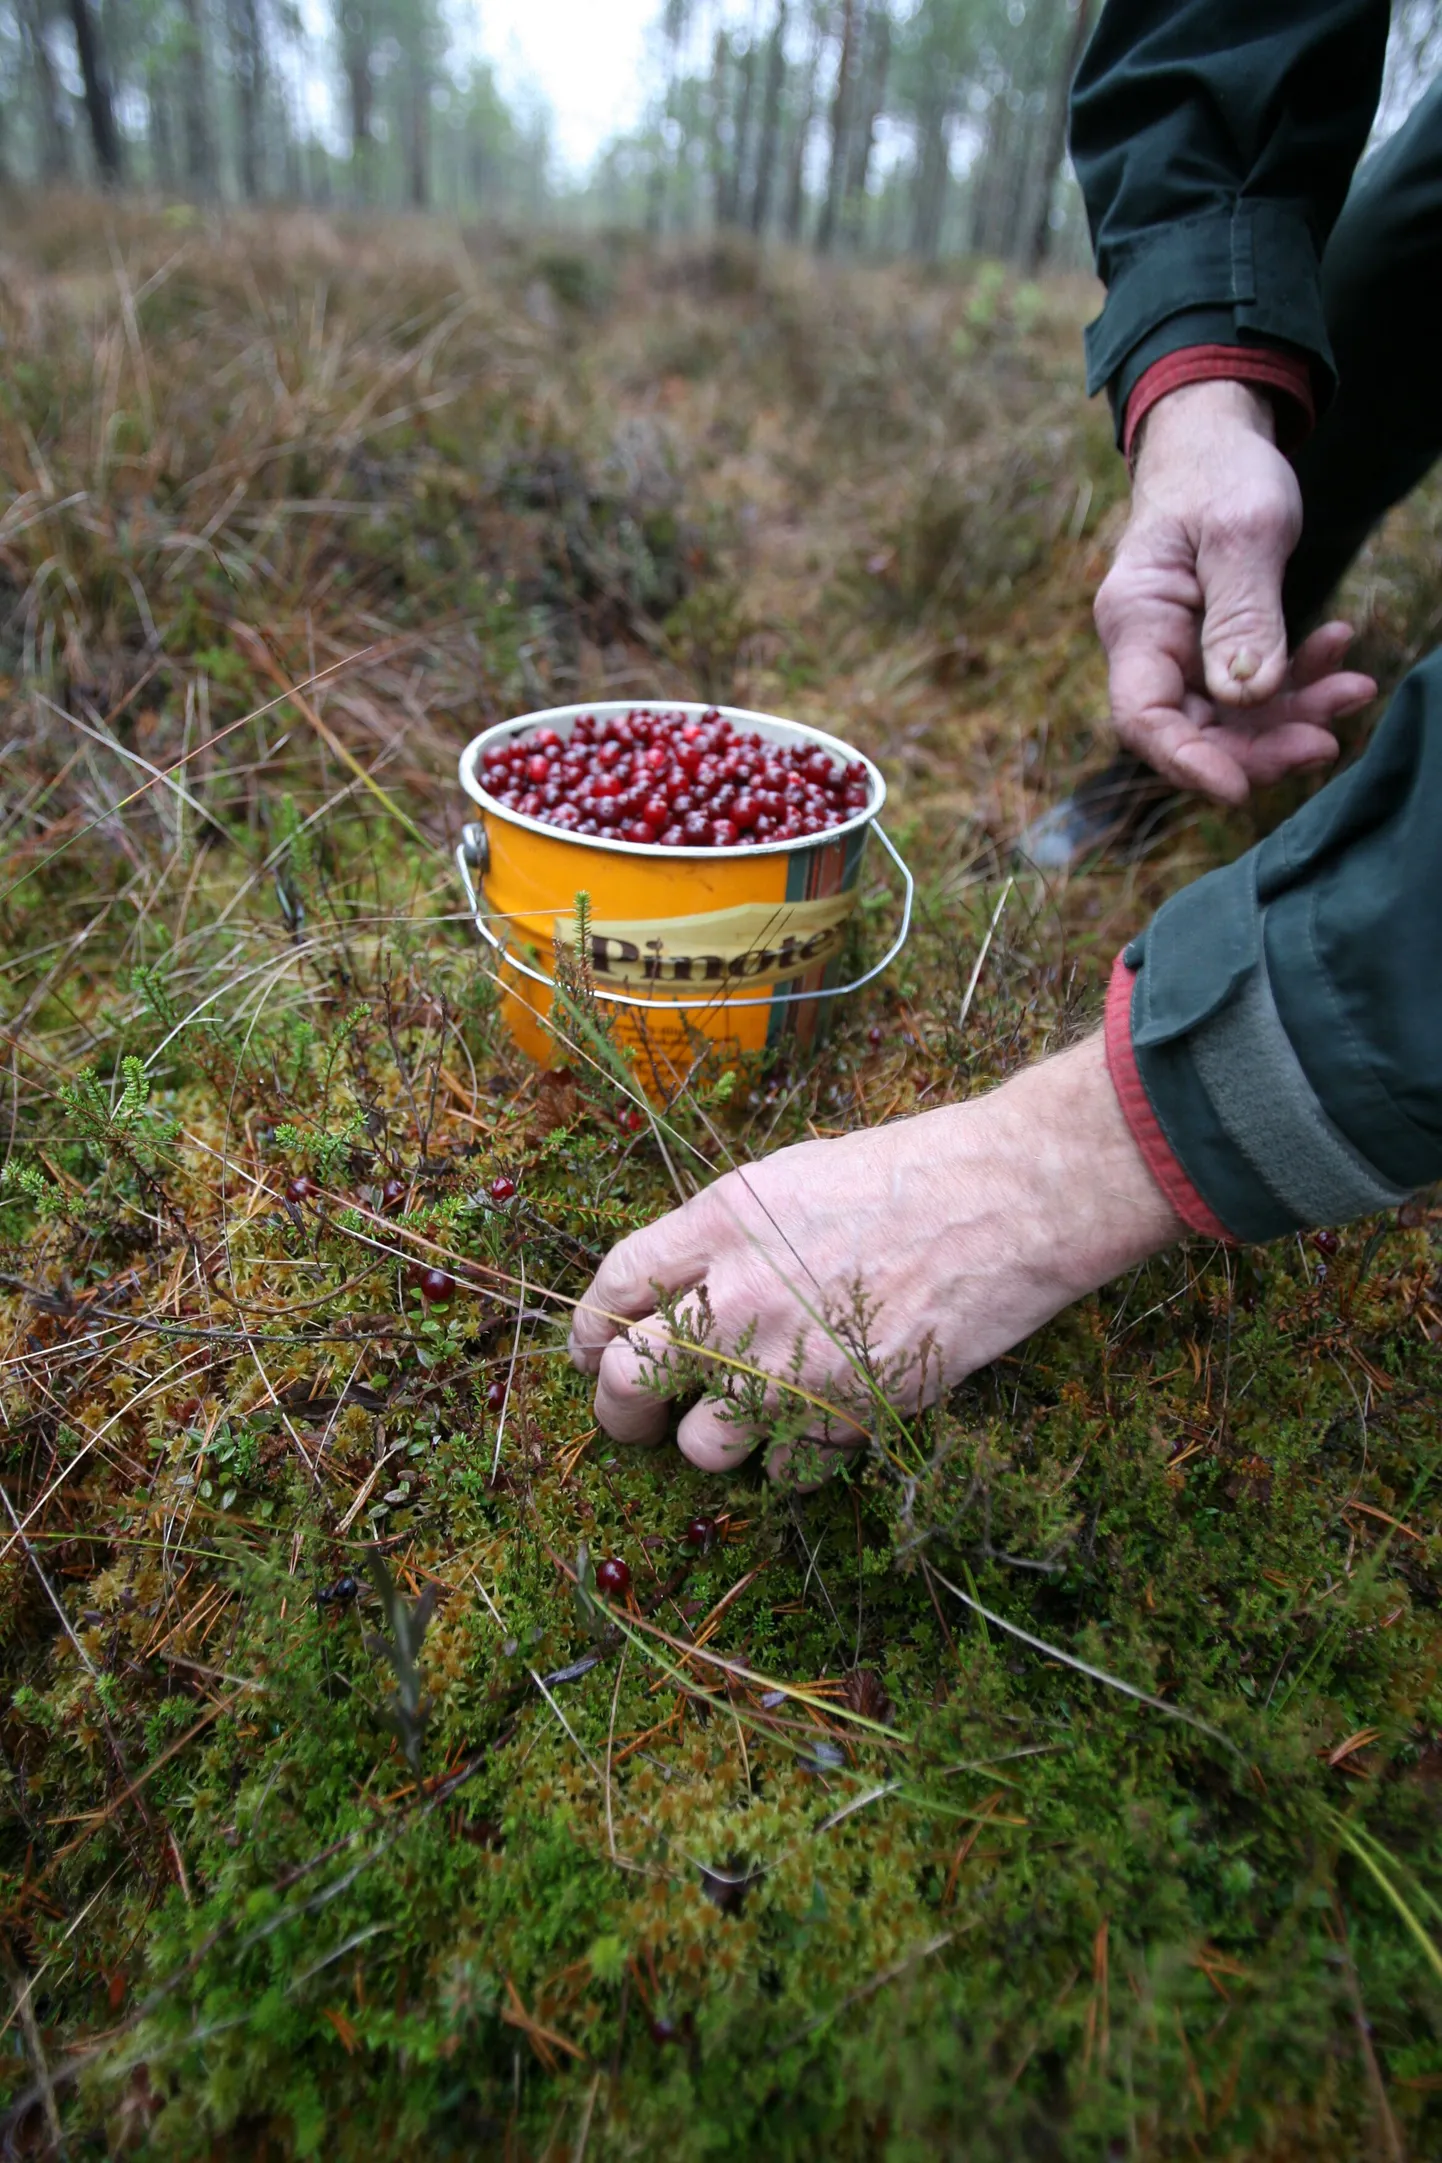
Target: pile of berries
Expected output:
[660,777]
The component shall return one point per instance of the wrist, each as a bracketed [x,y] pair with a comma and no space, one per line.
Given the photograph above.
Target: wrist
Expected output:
[1074,1203]
[1200,415]
[1097,1194]
[1283,377]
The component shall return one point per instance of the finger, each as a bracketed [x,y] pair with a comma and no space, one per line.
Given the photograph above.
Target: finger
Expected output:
[1289,748]
[713,1439]
[809,1462]
[1295,734]
[670,1254]
[1183,748]
[1150,642]
[1149,646]
[1241,556]
[1331,698]
[1206,761]
[1320,654]
[632,1394]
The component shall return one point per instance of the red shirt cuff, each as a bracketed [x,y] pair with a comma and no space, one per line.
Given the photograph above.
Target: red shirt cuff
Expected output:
[1286,374]
[1157,1153]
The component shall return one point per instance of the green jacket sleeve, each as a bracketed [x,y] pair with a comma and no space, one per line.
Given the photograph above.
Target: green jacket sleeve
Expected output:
[1286,1011]
[1215,141]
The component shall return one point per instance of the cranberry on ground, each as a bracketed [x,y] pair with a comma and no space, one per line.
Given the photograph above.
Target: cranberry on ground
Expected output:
[683,782]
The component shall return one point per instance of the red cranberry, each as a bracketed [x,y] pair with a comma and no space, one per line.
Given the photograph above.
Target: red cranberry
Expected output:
[393,1193]
[301,1188]
[654,777]
[502,1188]
[875,1034]
[630,1120]
[435,1286]
[700,1533]
[496,1396]
[613,1577]
[1326,1242]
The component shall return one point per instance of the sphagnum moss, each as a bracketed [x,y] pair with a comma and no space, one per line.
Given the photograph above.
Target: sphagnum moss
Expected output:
[346,1811]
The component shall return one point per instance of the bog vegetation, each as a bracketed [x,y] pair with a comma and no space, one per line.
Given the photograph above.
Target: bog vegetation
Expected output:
[1062,1782]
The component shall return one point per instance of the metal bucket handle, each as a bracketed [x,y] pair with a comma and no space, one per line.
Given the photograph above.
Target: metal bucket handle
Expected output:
[471,855]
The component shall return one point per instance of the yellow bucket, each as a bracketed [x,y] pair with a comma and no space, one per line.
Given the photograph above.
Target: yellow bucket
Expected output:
[697,955]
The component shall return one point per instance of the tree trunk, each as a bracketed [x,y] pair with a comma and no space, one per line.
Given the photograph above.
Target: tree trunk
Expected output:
[716,148]
[292,157]
[418,113]
[98,107]
[932,171]
[736,183]
[247,60]
[53,133]
[770,120]
[988,170]
[876,67]
[195,105]
[357,42]
[796,173]
[840,124]
[1038,240]
[157,129]
[656,188]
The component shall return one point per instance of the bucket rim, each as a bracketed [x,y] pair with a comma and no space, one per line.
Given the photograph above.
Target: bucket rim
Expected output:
[650,851]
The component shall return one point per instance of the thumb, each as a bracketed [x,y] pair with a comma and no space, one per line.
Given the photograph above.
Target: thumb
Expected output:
[1241,557]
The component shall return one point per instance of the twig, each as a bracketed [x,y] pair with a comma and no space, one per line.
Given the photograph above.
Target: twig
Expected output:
[980,962]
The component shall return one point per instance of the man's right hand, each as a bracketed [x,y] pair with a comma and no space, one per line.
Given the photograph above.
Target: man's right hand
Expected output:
[1190,614]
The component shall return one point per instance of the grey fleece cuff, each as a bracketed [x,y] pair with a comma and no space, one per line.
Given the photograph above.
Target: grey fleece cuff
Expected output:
[1270,1112]
[1234,1100]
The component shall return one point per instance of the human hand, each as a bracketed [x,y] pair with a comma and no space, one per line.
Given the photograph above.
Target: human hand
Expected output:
[964,1229]
[1190,613]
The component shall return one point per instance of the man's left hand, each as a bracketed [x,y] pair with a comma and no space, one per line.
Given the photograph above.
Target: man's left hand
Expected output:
[957,1232]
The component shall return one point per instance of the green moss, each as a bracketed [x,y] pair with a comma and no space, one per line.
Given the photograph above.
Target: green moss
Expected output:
[1029,1910]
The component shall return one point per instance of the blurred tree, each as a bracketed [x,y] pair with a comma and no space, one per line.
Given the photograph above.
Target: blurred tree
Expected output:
[841,103]
[357,32]
[51,128]
[767,141]
[934,68]
[159,139]
[1036,242]
[871,102]
[719,132]
[794,217]
[745,69]
[201,175]
[247,71]
[675,21]
[99,107]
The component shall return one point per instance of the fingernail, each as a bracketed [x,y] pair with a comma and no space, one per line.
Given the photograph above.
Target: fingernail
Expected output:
[1244,665]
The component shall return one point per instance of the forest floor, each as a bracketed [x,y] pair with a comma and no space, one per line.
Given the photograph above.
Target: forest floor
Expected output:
[790,1853]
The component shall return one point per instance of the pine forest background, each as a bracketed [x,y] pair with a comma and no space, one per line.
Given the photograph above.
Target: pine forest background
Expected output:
[877,127]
